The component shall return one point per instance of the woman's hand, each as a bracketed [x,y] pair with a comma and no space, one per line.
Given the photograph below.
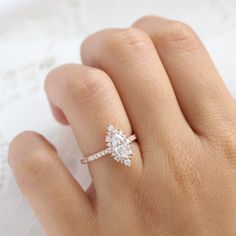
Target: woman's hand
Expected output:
[156,80]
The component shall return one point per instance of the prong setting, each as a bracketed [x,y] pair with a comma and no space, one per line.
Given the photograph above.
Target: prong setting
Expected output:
[119,144]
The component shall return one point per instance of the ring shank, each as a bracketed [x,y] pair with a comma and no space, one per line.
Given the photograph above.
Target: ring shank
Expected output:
[104,152]
[95,156]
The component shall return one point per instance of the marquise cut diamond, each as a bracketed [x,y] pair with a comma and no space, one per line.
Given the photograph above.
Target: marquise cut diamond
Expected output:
[119,145]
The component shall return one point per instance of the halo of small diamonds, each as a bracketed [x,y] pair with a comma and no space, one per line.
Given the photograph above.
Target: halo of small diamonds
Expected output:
[118,146]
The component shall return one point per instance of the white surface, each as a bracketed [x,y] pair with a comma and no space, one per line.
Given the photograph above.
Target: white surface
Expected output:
[38,35]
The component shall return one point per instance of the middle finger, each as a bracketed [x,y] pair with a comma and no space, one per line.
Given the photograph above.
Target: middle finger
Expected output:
[130,58]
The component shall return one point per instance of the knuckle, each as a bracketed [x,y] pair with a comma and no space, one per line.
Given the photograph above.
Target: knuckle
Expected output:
[17,142]
[127,40]
[179,31]
[27,162]
[54,74]
[185,164]
[180,35]
[84,87]
[144,20]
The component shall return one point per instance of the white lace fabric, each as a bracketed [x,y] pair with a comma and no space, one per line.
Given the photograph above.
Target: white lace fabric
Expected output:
[35,37]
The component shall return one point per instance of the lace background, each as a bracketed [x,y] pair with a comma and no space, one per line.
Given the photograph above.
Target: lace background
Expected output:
[36,36]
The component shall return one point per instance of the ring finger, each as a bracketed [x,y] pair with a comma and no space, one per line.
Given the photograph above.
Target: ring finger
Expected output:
[89,101]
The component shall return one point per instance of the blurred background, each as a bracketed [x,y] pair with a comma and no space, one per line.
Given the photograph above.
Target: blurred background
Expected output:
[38,35]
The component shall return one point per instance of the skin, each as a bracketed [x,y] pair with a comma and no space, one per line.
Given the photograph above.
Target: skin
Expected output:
[154,79]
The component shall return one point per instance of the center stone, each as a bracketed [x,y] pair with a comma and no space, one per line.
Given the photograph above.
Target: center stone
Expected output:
[119,145]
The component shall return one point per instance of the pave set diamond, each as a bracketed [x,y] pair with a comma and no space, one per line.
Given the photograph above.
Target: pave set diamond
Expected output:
[98,155]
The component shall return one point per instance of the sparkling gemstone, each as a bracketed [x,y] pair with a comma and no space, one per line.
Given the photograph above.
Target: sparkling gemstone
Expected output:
[108,139]
[110,128]
[119,145]
[127,162]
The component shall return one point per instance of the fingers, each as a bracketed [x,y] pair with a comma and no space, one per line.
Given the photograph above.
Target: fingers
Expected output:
[57,199]
[129,57]
[200,91]
[58,114]
[90,102]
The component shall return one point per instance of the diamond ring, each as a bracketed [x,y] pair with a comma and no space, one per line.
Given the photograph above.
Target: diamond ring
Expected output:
[118,146]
